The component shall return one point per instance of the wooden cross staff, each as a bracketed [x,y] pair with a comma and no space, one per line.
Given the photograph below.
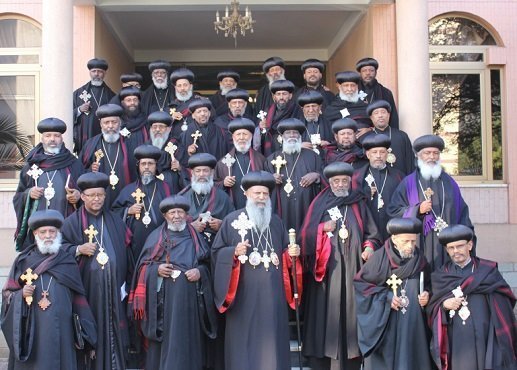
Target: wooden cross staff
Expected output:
[138,195]
[394,282]
[35,172]
[28,277]
[278,162]
[98,156]
[196,135]
[91,233]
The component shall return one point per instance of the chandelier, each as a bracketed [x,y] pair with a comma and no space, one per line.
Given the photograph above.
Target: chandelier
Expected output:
[232,21]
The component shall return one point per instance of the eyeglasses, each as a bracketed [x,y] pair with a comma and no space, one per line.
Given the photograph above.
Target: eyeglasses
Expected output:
[95,195]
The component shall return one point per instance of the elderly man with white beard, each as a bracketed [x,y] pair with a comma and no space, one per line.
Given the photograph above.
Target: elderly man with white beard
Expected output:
[242,159]
[297,174]
[208,203]
[251,258]
[47,180]
[43,300]
[432,196]
[158,96]
[274,70]
[228,81]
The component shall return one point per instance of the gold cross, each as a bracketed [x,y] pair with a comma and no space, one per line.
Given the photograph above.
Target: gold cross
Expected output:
[196,135]
[98,155]
[171,149]
[172,111]
[28,277]
[394,282]
[138,195]
[91,233]
[278,162]
[428,192]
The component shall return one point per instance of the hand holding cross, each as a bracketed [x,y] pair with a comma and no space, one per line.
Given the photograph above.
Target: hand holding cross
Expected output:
[28,277]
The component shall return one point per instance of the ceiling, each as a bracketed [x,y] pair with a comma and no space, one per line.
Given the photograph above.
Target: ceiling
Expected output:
[183,30]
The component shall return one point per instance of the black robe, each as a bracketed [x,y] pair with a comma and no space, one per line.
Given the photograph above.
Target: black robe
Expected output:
[217,202]
[44,339]
[249,161]
[56,168]
[104,286]
[354,155]
[292,208]
[213,139]
[389,339]
[322,126]
[176,316]
[221,105]
[488,338]
[328,95]
[356,111]
[154,99]
[124,166]
[330,327]
[447,203]
[223,120]
[87,126]
[263,99]
[376,91]
[182,107]
[401,147]
[386,181]
[253,300]
[138,130]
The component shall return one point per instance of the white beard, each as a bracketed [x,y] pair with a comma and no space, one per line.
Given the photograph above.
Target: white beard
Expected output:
[271,79]
[184,97]
[351,98]
[176,228]
[160,85]
[96,82]
[292,148]
[49,248]
[243,148]
[261,217]
[111,138]
[159,141]
[52,150]
[340,193]
[224,90]
[202,188]
[428,171]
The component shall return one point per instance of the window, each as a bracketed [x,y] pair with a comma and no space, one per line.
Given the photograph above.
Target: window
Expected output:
[20,42]
[466,99]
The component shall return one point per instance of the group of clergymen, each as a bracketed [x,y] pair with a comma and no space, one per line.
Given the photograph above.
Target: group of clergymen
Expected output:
[179,241]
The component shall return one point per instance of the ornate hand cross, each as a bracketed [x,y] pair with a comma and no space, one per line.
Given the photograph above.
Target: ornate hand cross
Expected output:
[228,161]
[278,162]
[196,135]
[394,282]
[28,277]
[138,195]
[91,233]
[35,172]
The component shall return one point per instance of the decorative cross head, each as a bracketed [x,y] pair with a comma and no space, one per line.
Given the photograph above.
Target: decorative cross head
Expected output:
[91,233]
[28,276]
[34,172]
[458,293]
[196,135]
[261,115]
[172,111]
[394,282]
[138,195]
[335,214]
[242,224]
[85,96]
[369,180]
[428,193]
[98,156]
[278,162]
[171,149]
[228,160]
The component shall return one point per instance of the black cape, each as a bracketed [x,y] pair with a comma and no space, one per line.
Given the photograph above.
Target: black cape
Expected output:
[154,99]
[376,91]
[356,111]
[354,155]
[213,139]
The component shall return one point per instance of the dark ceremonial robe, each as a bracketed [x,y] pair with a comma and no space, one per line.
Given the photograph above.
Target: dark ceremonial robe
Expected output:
[44,339]
[268,142]
[161,190]
[217,202]
[330,328]
[56,168]
[356,111]
[389,339]
[401,147]
[87,126]
[104,286]
[175,315]
[386,181]
[376,91]
[138,130]
[292,208]
[182,107]
[124,164]
[221,105]
[328,95]
[253,299]
[488,338]
[244,163]
[263,99]
[213,139]
[447,204]
[223,120]
[154,99]
[181,155]
[354,155]
[322,126]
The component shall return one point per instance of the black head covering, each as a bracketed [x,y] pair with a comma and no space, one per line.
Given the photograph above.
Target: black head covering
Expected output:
[161,117]
[281,85]
[49,217]
[241,123]
[343,123]
[229,73]
[310,97]
[338,169]
[291,124]
[428,141]
[454,233]
[174,201]
[90,180]
[199,103]
[401,225]
[313,63]
[366,62]
[258,178]
[271,62]
[109,110]
[96,63]
[182,73]
[237,94]
[129,91]
[202,159]
[147,151]
[348,76]
[130,77]
[51,125]
[376,105]
[159,64]
[376,141]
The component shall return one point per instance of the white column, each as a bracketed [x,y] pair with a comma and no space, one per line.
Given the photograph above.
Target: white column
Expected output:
[56,63]
[414,88]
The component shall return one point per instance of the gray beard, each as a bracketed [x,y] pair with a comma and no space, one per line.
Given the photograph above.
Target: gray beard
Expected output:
[271,80]
[146,179]
[159,141]
[160,85]
[176,228]
[404,255]
[202,188]
[111,138]
[428,172]
[378,166]
[49,249]
[351,98]
[292,148]
[184,97]
[224,90]
[96,82]
[244,148]
[261,217]
[340,193]
[51,150]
